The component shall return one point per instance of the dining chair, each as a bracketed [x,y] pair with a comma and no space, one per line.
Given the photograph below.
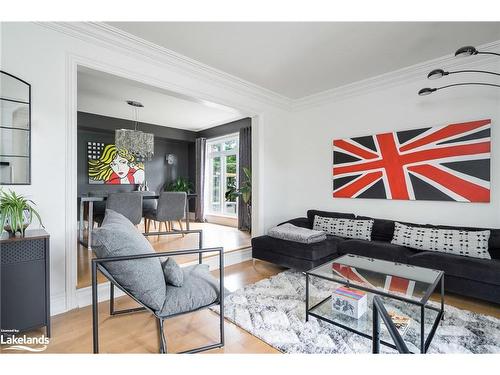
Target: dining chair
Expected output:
[98,207]
[148,206]
[171,207]
[128,204]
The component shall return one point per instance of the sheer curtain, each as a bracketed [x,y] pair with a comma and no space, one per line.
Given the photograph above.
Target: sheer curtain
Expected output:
[245,161]
[200,149]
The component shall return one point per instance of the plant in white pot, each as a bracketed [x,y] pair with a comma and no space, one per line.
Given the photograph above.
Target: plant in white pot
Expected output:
[16,212]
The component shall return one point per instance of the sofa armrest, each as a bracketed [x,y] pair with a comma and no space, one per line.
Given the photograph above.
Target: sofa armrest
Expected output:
[299,222]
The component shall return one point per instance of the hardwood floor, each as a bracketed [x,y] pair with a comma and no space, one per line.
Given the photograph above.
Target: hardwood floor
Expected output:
[214,235]
[136,333]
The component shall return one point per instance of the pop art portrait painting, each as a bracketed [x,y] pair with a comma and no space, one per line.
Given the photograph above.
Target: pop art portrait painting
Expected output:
[111,166]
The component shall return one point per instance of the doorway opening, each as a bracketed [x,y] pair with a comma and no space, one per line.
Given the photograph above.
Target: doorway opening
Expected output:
[176,121]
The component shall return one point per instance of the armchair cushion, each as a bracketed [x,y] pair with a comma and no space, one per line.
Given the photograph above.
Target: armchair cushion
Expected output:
[143,278]
[199,289]
[172,272]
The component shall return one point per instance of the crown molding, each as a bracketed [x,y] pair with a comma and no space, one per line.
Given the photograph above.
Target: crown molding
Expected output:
[121,41]
[414,73]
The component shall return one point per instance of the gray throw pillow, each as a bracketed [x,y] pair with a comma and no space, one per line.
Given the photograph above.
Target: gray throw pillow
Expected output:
[143,278]
[173,272]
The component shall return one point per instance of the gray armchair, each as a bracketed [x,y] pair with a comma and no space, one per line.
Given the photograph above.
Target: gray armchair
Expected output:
[128,261]
[171,207]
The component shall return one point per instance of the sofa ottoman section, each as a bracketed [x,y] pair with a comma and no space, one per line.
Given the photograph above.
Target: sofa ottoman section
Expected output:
[277,251]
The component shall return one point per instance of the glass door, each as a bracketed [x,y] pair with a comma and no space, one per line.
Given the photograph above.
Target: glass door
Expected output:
[222,163]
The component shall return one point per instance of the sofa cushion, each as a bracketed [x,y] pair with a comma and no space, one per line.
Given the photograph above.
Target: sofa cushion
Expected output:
[199,289]
[347,228]
[312,251]
[472,244]
[299,222]
[143,278]
[493,243]
[484,270]
[375,249]
[312,213]
[382,230]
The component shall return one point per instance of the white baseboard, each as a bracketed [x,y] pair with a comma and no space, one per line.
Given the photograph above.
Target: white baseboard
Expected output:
[84,295]
[58,304]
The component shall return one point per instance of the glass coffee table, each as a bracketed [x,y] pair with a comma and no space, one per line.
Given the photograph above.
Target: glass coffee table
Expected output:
[404,288]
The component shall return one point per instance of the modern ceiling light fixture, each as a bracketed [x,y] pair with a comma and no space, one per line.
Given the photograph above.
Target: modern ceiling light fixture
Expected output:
[430,90]
[469,51]
[138,143]
[439,73]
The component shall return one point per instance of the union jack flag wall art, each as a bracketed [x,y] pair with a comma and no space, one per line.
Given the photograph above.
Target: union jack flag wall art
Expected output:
[444,163]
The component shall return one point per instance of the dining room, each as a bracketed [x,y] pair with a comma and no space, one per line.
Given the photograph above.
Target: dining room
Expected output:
[169,163]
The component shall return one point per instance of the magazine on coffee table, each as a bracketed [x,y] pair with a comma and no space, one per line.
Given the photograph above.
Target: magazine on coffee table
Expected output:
[401,322]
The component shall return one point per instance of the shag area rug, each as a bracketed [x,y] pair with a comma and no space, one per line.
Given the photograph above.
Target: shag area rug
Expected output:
[274,310]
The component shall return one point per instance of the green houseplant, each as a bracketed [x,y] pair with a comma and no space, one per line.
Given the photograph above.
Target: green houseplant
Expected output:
[244,192]
[180,184]
[16,212]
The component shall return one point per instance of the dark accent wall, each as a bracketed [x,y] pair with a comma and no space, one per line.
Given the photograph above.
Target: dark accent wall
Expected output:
[229,128]
[93,127]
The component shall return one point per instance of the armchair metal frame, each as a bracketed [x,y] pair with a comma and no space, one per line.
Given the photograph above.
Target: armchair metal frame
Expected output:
[379,311]
[98,265]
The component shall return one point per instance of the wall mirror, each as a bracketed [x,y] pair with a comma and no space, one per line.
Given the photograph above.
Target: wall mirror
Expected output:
[15,130]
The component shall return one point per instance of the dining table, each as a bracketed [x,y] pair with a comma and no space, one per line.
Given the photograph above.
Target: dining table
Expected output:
[89,201]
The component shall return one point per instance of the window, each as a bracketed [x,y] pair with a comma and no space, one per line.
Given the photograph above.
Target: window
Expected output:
[222,174]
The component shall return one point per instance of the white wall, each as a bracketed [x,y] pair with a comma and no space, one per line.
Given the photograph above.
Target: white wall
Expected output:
[42,57]
[308,147]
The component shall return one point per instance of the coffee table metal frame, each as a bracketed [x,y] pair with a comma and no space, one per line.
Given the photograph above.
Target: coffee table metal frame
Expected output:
[424,342]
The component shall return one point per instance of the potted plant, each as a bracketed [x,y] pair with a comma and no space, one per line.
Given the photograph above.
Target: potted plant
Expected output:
[180,184]
[244,192]
[16,212]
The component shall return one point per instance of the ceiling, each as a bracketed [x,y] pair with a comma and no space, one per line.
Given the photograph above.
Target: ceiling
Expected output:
[296,59]
[106,94]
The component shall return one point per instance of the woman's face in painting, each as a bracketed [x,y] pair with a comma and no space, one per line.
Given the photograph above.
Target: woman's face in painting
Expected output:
[120,166]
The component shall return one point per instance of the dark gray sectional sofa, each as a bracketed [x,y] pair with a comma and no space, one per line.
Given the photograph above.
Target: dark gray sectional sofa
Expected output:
[477,278]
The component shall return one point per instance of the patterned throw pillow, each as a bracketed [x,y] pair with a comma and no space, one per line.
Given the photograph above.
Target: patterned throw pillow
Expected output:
[348,228]
[459,242]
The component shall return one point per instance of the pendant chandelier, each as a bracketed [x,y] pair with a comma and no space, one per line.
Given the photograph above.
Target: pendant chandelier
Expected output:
[138,143]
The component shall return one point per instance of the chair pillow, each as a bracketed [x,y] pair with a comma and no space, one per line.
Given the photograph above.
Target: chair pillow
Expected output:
[458,242]
[143,278]
[347,228]
[172,272]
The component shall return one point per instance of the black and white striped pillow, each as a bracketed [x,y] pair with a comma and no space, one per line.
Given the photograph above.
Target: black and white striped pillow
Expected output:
[348,228]
[459,242]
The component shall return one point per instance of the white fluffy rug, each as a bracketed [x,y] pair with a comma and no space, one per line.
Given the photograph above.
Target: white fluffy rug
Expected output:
[274,310]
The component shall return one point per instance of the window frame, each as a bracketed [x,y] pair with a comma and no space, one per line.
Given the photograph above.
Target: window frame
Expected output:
[210,155]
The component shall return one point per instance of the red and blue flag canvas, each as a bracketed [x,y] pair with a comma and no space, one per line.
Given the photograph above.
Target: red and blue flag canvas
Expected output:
[443,163]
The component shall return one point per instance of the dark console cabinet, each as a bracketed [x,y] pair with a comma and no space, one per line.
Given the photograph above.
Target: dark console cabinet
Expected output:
[25,286]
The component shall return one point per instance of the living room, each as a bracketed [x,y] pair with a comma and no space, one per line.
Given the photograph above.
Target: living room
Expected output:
[372,179]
